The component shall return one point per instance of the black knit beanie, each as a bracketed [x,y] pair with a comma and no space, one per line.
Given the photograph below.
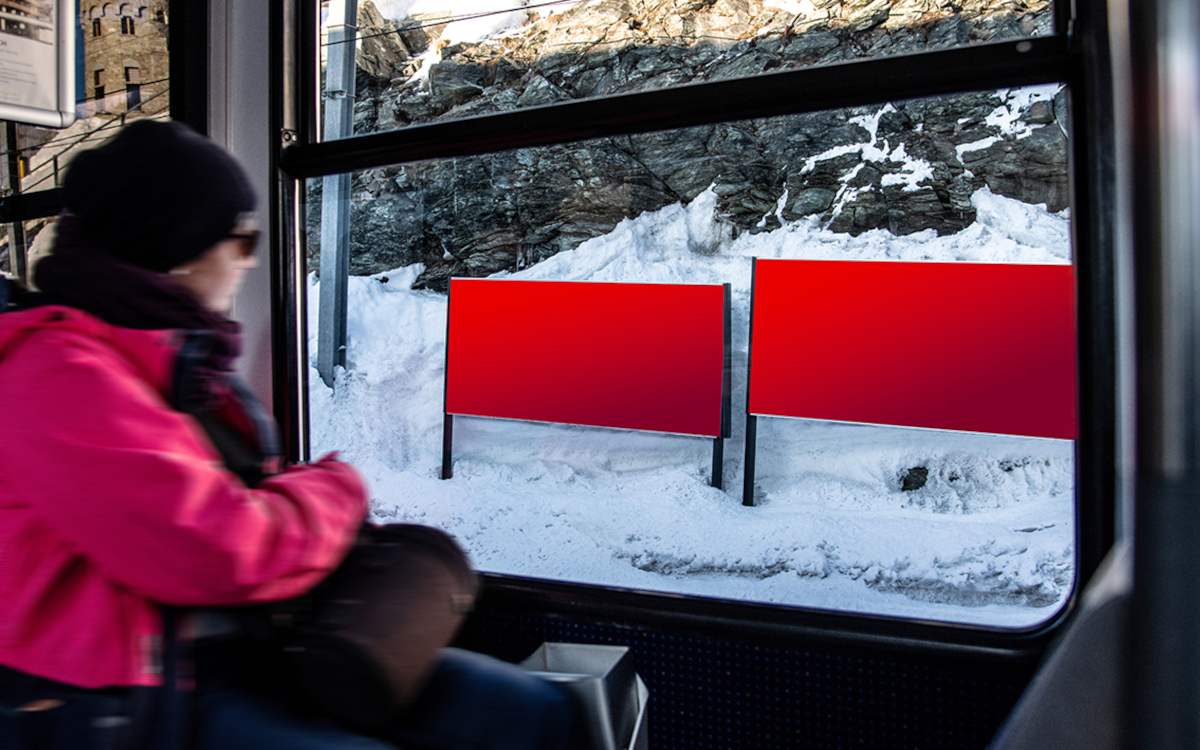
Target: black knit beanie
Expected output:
[157,195]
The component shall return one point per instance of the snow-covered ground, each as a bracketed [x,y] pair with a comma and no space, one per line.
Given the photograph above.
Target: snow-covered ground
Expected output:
[988,539]
[480,19]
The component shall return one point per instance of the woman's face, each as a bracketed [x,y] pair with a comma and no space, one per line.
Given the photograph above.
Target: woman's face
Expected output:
[216,275]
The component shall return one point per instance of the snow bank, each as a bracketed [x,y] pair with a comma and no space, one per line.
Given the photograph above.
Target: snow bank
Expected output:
[480,19]
[986,537]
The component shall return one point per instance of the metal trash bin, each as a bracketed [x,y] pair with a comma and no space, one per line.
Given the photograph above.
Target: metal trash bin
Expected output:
[613,696]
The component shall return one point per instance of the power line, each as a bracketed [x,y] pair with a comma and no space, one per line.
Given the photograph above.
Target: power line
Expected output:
[67,143]
[121,120]
[120,38]
[84,100]
[625,39]
[448,19]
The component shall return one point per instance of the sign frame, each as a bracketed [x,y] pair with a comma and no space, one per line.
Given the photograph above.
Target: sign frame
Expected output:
[959,385]
[512,397]
[46,94]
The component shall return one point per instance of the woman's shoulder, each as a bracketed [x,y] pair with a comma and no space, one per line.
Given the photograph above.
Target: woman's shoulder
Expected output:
[62,322]
[56,335]
[23,327]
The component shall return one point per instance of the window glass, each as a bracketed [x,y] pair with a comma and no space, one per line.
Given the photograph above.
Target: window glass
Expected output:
[953,526]
[419,61]
[8,259]
[23,243]
[118,78]
[130,49]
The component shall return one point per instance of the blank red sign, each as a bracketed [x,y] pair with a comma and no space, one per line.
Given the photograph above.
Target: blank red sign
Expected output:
[633,356]
[955,346]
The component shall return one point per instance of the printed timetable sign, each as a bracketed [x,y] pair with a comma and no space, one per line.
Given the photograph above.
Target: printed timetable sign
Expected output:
[630,356]
[37,62]
[953,346]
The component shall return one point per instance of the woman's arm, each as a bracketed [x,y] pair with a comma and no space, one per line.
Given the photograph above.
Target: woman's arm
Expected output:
[135,486]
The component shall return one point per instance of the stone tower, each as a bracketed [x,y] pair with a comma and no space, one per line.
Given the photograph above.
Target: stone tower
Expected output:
[125,56]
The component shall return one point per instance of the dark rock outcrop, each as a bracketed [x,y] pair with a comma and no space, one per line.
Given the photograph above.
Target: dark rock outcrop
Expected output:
[905,167]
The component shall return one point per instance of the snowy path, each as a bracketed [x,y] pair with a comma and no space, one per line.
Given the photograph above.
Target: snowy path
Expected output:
[987,539]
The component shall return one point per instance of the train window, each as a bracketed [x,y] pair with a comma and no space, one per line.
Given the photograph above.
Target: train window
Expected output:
[427,62]
[22,243]
[7,254]
[37,158]
[917,523]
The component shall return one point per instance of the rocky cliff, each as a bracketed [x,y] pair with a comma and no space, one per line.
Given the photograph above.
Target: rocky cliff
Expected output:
[904,167]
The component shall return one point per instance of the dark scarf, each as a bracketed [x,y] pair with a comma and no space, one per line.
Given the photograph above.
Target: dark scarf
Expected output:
[80,275]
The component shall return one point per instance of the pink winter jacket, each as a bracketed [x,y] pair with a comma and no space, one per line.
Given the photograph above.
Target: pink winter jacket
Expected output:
[112,502]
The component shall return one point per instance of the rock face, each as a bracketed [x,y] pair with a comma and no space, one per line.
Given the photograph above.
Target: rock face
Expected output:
[904,167]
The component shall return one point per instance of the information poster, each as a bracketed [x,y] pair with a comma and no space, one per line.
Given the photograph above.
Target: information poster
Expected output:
[37,62]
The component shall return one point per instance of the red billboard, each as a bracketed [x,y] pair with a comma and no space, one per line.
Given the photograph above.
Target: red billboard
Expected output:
[953,346]
[631,356]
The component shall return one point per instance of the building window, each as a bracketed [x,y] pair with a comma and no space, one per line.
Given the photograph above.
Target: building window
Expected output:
[133,89]
[97,30]
[160,15]
[98,83]
[126,25]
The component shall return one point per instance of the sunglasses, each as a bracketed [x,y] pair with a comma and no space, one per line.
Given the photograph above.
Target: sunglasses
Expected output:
[249,241]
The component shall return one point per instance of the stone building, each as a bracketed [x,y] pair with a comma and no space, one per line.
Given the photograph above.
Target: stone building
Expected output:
[125,56]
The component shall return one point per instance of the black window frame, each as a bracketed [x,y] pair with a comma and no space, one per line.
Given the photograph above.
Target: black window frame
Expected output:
[1075,54]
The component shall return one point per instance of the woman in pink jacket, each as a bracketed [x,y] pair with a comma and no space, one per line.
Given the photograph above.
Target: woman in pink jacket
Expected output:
[116,505]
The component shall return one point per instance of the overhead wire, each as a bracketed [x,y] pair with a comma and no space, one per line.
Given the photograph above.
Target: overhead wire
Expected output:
[77,138]
[121,39]
[400,28]
[67,143]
